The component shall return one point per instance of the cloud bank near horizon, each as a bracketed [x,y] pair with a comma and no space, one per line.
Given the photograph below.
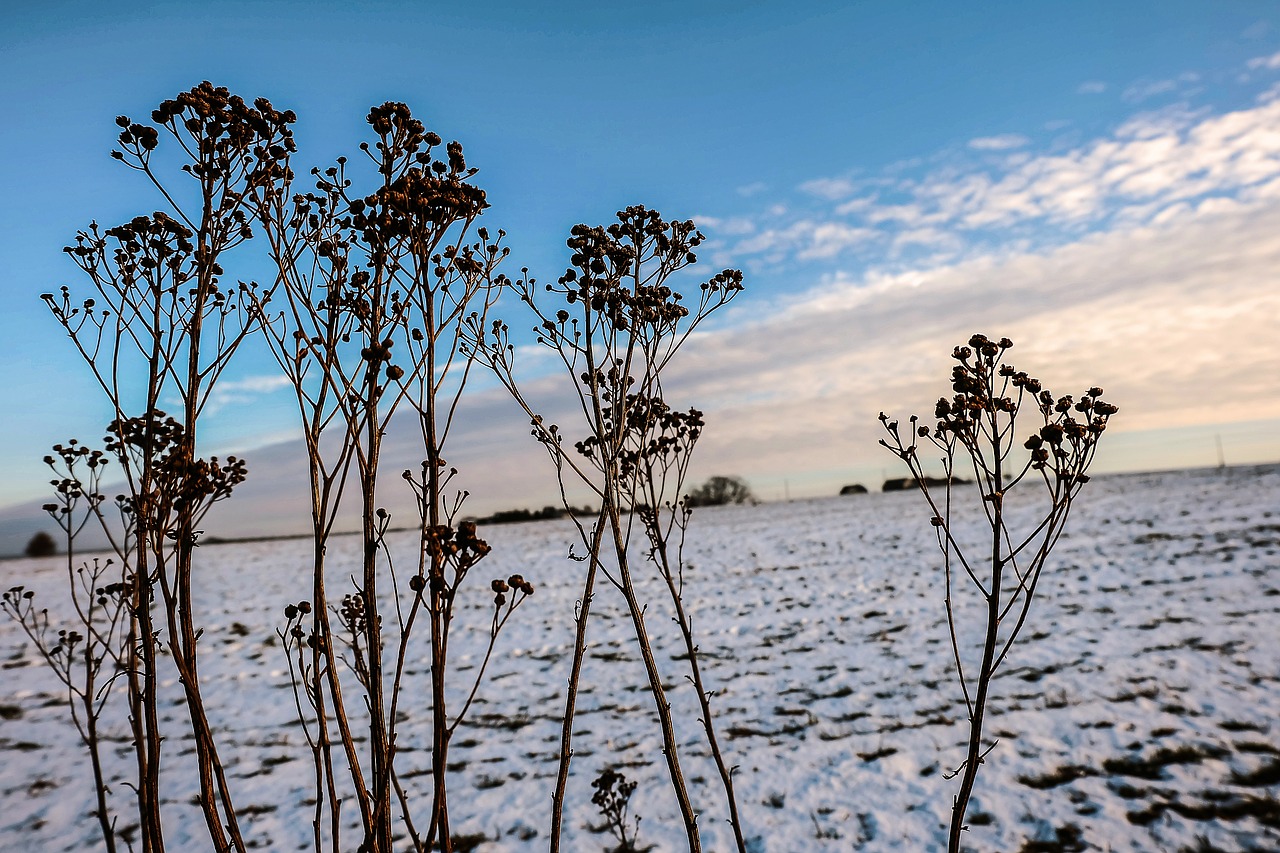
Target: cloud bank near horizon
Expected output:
[1175,320]
[1146,261]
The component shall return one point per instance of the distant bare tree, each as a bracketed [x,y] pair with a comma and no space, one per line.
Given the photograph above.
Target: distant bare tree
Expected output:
[718,491]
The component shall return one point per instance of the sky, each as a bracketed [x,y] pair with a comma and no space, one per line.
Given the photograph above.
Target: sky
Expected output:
[1100,182]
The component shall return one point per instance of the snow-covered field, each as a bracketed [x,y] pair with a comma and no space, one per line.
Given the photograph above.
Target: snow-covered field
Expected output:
[1141,710]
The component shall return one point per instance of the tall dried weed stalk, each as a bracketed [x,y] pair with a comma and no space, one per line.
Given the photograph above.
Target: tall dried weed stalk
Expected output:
[88,664]
[614,323]
[162,324]
[376,283]
[976,432]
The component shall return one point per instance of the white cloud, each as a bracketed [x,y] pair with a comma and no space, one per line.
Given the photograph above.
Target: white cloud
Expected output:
[906,214]
[939,241]
[806,239]
[856,205]
[1174,321]
[234,392]
[898,167]
[828,239]
[1145,168]
[1091,87]
[733,226]
[754,188]
[830,188]
[1269,63]
[1154,159]
[1003,142]
[255,384]
[1144,89]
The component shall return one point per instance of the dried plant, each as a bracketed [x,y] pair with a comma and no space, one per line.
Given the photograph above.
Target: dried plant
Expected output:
[381,307]
[977,428]
[160,322]
[376,286]
[615,327]
[89,656]
[613,798]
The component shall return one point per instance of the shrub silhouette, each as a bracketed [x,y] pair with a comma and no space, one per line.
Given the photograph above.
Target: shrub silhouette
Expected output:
[41,545]
[719,491]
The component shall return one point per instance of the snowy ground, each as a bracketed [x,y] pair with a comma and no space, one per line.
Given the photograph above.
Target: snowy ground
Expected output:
[1141,710]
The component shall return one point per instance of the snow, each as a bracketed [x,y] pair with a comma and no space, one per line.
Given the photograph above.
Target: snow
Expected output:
[1139,710]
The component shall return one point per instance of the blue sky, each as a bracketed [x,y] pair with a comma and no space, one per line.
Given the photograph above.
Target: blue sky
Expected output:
[1098,181]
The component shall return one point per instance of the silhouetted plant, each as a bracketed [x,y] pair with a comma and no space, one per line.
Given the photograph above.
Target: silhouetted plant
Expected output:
[89,656]
[613,797]
[719,491]
[615,328]
[162,323]
[376,286]
[387,294]
[977,428]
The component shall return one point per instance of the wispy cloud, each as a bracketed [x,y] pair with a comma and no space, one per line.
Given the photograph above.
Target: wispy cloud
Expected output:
[1156,165]
[1145,89]
[1269,63]
[234,392]
[1003,142]
[830,188]
[1091,87]
[806,239]
[733,226]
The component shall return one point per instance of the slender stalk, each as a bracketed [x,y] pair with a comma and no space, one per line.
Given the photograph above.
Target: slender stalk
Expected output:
[986,669]
[656,689]
[575,676]
[704,696]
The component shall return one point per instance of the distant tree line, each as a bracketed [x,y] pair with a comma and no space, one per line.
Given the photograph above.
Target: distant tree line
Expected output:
[908,484]
[511,516]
